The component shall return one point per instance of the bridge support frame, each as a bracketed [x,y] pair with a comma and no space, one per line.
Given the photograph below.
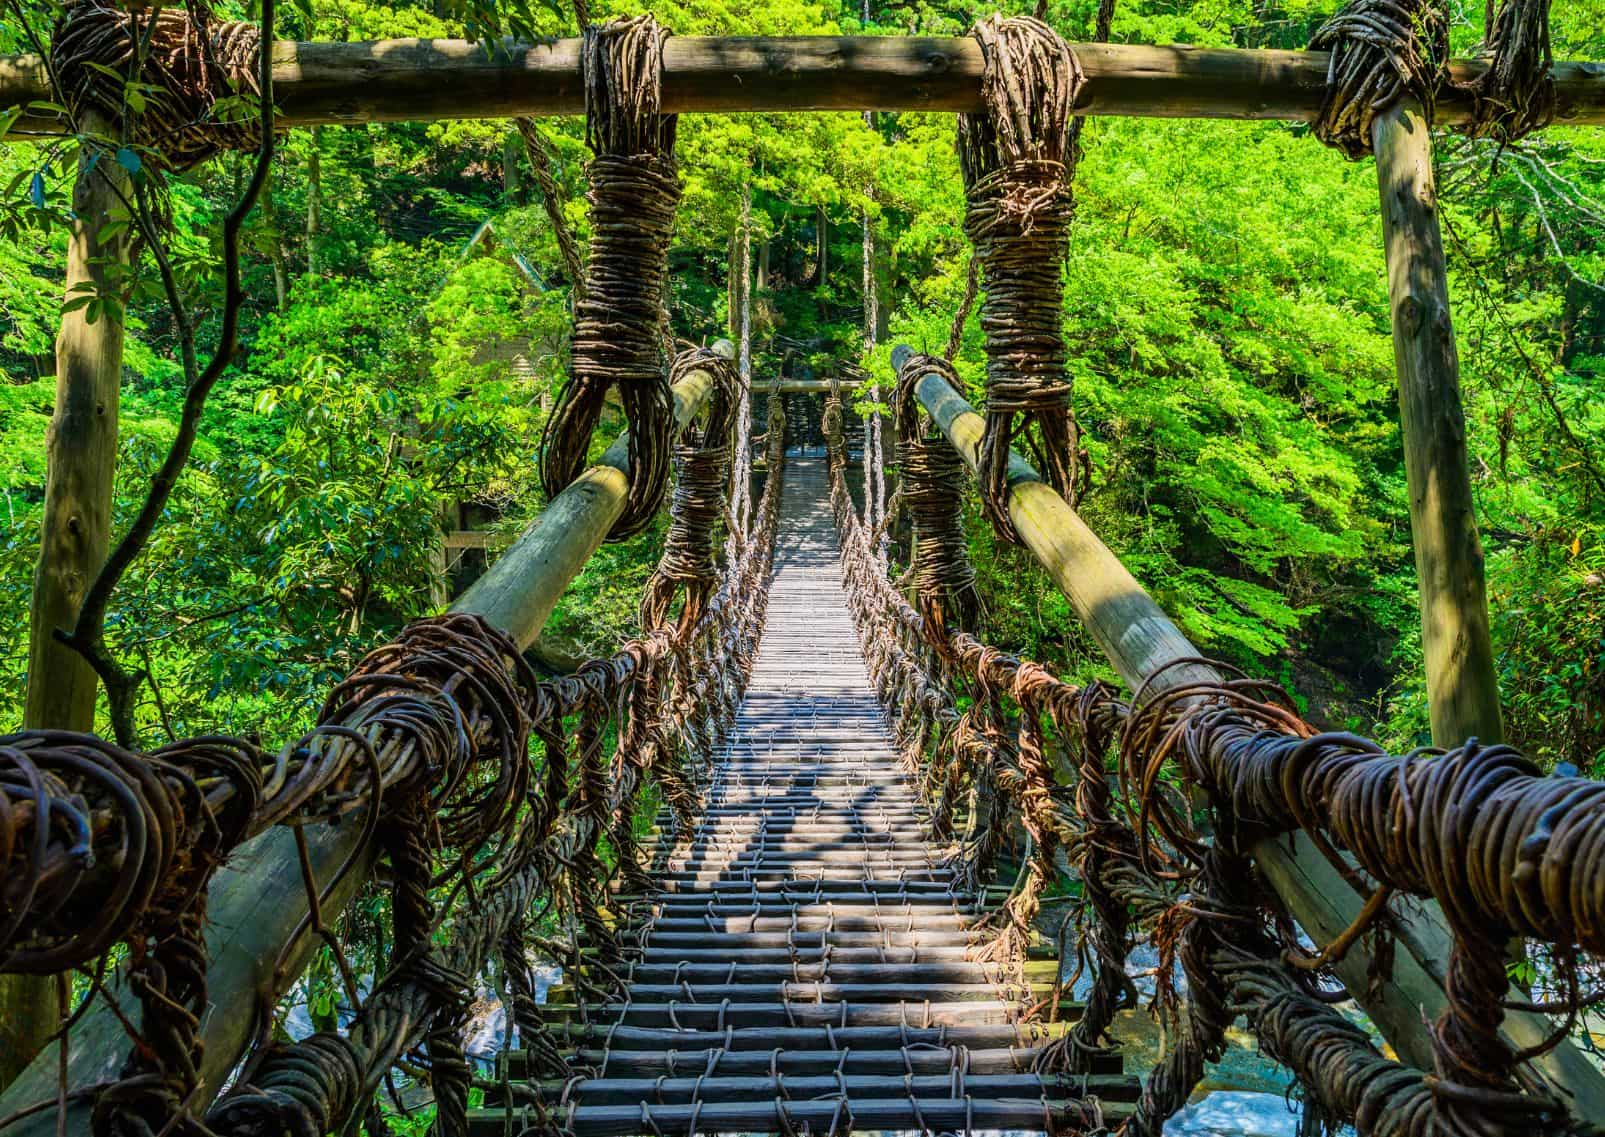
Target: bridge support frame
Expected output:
[1140,641]
[256,903]
[1462,684]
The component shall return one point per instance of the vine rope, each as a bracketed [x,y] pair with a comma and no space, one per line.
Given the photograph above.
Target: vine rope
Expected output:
[1018,158]
[620,318]
[185,62]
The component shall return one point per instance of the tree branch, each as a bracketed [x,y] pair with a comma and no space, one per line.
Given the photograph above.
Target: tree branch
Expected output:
[88,636]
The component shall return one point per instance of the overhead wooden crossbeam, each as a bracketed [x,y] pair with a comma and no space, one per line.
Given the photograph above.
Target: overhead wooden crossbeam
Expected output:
[414,79]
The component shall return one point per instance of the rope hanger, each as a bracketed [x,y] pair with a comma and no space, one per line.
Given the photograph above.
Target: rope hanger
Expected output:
[619,320]
[1017,157]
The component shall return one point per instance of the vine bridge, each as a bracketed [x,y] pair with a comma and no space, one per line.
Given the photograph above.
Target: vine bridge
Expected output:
[792,844]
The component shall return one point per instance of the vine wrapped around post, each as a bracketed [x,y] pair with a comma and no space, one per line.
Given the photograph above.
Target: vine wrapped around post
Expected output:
[190,61]
[1381,51]
[1516,95]
[702,458]
[932,491]
[1018,159]
[635,188]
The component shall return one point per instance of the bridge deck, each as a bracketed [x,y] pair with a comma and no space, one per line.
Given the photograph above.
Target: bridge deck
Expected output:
[805,948]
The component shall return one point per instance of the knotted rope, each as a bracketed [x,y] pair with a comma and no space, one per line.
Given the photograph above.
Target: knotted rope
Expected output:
[1017,159]
[189,61]
[702,464]
[933,494]
[1381,51]
[635,187]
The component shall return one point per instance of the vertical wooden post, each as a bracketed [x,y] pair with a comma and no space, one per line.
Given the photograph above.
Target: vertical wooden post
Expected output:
[1462,687]
[81,450]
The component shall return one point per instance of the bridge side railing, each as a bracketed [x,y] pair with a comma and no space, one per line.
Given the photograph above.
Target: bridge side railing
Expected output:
[1307,856]
[261,930]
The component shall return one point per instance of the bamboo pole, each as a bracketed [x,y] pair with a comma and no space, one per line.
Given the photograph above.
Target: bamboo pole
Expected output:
[415,79]
[1462,684]
[256,903]
[1139,640]
[81,449]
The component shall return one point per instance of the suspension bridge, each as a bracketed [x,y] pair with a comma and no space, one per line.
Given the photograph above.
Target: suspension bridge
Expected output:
[812,935]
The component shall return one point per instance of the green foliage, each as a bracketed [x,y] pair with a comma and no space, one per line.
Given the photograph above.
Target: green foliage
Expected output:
[1225,308]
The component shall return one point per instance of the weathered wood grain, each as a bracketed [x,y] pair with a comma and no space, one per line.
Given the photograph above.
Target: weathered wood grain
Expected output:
[414,79]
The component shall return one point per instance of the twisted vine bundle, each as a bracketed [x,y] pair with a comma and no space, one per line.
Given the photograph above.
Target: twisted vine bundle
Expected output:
[185,59]
[635,188]
[702,457]
[1018,159]
[932,492]
[1381,51]
[1516,95]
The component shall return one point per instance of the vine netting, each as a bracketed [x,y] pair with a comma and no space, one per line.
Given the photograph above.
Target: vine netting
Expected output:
[479,794]
[1159,803]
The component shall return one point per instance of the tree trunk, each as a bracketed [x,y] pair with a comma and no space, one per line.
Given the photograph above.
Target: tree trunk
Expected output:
[822,242]
[761,281]
[270,220]
[512,182]
[1462,685]
[81,451]
[314,199]
[439,560]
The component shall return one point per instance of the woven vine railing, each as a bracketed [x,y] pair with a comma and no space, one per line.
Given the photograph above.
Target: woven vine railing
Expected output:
[486,790]
[1507,852]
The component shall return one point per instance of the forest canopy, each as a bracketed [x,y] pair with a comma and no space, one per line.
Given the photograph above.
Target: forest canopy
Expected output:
[405,332]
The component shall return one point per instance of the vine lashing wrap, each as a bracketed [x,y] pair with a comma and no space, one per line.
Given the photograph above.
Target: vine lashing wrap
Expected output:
[1018,159]
[618,321]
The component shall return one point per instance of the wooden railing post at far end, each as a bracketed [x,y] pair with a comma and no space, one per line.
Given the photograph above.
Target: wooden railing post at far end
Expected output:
[256,902]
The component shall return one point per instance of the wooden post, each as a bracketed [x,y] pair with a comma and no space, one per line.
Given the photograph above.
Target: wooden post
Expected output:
[256,902]
[1139,640]
[1462,685]
[76,530]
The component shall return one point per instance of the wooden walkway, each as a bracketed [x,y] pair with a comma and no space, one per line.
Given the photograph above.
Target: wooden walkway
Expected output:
[803,963]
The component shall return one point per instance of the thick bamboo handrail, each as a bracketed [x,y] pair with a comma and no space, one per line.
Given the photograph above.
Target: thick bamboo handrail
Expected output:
[416,79]
[1142,643]
[257,901]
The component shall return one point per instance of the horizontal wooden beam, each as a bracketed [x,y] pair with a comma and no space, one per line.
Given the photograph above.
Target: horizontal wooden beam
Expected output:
[256,903]
[799,387]
[475,539]
[419,79]
[1145,646]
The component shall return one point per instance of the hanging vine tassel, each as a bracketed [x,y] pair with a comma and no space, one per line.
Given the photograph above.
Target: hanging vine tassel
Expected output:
[933,494]
[1381,51]
[702,465]
[1018,159]
[190,62]
[635,188]
[1516,95]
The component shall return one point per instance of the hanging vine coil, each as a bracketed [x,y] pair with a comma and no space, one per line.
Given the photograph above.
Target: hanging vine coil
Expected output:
[620,317]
